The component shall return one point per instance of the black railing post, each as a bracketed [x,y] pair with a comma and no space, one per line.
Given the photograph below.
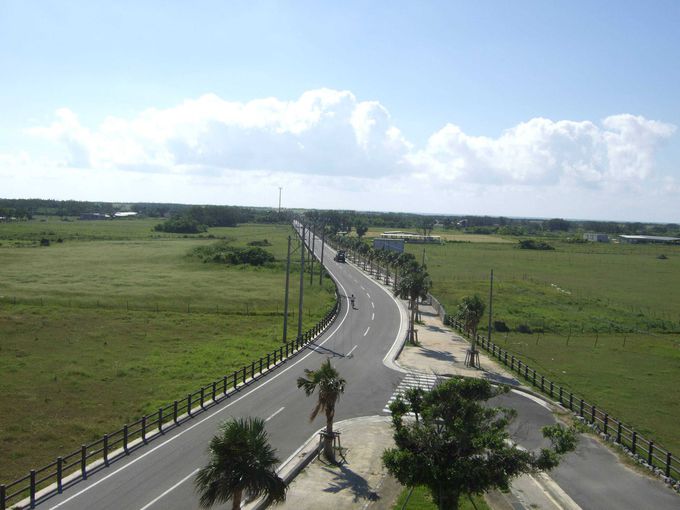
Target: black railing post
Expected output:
[592,413]
[189,405]
[580,411]
[571,401]
[618,432]
[60,475]
[512,363]
[235,378]
[125,438]
[542,382]
[252,369]
[260,365]
[551,389]
[160,420]
[634,442]
[144,429]
[3,496]
[668,465]
[224,384]
[214,391]
[560,394]
[650,453]
[244,375]
[32,489]
[174,412]
[105,450]
[606,422]
[202,397]
[83,461]
[268,361]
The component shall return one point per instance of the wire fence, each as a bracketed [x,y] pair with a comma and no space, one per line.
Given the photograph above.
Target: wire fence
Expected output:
[65,471]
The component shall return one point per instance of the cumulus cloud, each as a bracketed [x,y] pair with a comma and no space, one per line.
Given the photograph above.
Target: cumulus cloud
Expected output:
[542,151]
[331,133]
[323,132]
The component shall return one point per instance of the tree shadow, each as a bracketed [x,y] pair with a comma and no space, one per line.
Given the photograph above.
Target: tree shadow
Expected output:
[346,479]
[438,355]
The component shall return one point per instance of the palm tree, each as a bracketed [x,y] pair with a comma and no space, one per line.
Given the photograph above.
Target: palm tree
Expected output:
[331,386]
[414,284]
[241,461]
[470,311]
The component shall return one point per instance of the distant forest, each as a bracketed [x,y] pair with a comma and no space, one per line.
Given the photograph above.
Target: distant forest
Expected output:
[196,218]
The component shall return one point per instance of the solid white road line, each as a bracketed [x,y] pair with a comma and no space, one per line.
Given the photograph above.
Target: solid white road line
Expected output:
[213,415]
[272,415]
[362,287]
[367,330]
[372,304]
[351,351]
[170,489]
[369,296]
[373,316]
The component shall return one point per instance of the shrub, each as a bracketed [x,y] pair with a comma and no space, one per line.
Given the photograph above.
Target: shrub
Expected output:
[523,328]
[263,242]
[44,242]
[180,225]
[500,326]
[532,244]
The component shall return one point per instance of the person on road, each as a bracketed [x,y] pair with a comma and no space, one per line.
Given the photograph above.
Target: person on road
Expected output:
[352,299]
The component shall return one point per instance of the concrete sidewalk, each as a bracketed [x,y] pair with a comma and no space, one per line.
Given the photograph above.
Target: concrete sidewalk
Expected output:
[359,481]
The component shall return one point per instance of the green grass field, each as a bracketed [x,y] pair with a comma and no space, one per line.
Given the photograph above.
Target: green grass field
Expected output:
[576,295]
[84,350]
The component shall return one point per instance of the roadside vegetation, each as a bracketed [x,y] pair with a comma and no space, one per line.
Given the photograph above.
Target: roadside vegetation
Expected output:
[118,319]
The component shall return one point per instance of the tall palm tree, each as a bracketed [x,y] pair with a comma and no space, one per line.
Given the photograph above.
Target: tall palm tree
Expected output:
[331,386]
[413,285]
[470,311]
[241,461]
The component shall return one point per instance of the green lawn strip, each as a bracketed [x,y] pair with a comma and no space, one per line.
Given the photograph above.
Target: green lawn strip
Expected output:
[421,500]
[71,375]
[577,294]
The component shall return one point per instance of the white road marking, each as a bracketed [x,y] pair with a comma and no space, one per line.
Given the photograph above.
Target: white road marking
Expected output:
[351,351]
[373,304]
[362,287]
[369,296]
[373,316]
[170,489]
[367,330]
[272,415]
[212,416]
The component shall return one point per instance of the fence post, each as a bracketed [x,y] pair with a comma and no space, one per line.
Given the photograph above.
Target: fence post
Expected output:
[235,378]
[560,394]
[244,375]
[125,438]
[160,420]
[60,476]
[252,369]
[268,361]
[618,432]
[650,452]
[83,461]
[542,382]
[214,391]
[260,364]
[633,446]
[202,397]
[592,413]
[551,389]
[668,465]
[3,493]
[105,450]
[189,405]
[32,488]
[174,412]
[581,409]
[144,429]
[512,363]
[224,382]
[571,401]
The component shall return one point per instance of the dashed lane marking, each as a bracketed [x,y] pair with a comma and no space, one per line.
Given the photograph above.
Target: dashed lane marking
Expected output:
[367,330]
[170,489]
[274,414]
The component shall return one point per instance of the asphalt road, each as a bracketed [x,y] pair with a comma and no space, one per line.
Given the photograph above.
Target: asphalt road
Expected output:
[160,475]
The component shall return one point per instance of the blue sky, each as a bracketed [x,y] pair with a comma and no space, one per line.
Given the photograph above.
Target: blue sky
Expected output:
[524,108]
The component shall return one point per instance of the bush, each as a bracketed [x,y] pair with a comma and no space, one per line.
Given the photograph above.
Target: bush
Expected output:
[44,242]
[181,225]
[532,244]
[222,253]
[662,257]
[523,328]
[263,242]
[500,326]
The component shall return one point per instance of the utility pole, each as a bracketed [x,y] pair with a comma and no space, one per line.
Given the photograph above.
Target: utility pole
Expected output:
[302,280]
[323,243]
[285,303]
[280,188]
[490,305]
[311,266]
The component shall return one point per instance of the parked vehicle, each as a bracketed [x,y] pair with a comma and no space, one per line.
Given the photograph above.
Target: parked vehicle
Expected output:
[340,256]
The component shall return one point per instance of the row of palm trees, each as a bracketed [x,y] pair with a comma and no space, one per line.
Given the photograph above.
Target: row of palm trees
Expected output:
[241,460]
[409,278]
